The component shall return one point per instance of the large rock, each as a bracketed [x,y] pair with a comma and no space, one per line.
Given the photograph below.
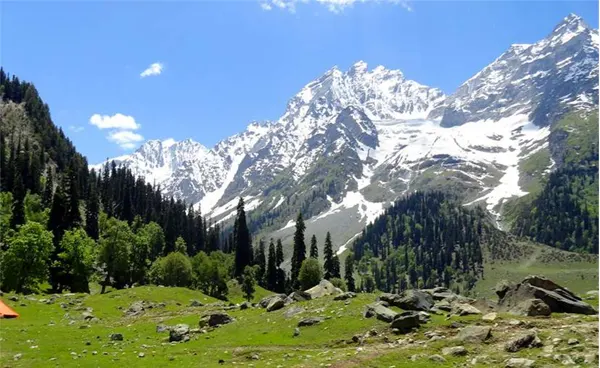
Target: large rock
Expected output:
[409,300]
[415,300]
[502,287]
[276,304]
[324,288]
[455,351]
[462,309]
[299,296]
[264,302]
[213,319]
[474,334]
[406,321]
[532,308]
[382,313]
[555,296]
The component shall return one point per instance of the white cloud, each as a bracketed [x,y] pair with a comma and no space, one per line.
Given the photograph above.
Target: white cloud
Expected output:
[117,121]
[334,6]
[153,69]
[266,6]
[76,128]
[125,139]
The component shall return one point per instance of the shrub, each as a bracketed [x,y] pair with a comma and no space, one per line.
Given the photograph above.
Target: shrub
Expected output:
[310,274]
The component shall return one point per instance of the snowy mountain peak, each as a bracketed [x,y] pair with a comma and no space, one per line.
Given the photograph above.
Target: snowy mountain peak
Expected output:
[544,79]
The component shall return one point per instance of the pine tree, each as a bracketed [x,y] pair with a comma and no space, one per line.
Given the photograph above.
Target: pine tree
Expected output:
[335,267]
[73,218]
[48,189]
[328,264]
[248,282]
[299,254]
[314,251]
[57,224]
[92,209]
[243,246]
[18,217]
[349,276]
[260,261]
[271,272]
[3,163]
[280,284]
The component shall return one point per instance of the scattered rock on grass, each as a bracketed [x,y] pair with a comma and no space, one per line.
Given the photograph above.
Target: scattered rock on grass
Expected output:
[519,363]
[406,321]
[345,296]
[462,309]
[178,332]
[489,317]
[455,351]
[531,308]
[310,321]
[437,358]
[572,342]
[380,312]
[213,319]
[196,303]
[275,304]
[116,337]
[520,342]
[474,334]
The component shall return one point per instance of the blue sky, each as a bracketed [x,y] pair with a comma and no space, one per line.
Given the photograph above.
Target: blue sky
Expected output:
[226,63]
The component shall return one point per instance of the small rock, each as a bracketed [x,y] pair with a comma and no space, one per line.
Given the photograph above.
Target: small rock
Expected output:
[14,298]
[162,328]
[196,303]
[519,363]
[17,356]
[457,325]
[556,341]
[515,322]
[178,332]
[52,359]
[141,355]
[573,342]
[296,332]
[463,309]
[88,343]
[489,317]
[94,352]
[437,358]
[245,305]
[255,357]
[310,321]
[455,351]
[520,342]
[116,337]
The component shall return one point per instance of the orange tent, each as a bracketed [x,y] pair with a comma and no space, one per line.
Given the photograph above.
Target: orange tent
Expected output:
[6,311]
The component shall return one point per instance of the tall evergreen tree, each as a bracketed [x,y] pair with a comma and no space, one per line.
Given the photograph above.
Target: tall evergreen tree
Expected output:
[18,217]
[48,189]
[299,254]
[243,246]
[329,265]
[92,209]
[349,275]
[261,262]
[314,251]
[280,284]
[271,272]
[57,223]
[72,184]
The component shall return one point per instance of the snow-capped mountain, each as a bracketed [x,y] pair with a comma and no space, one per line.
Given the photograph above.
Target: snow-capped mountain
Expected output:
[351,142]
[543,79]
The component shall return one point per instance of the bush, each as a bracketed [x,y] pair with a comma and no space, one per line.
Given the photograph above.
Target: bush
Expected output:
[173,270]
[310,274]
[211,273]
[339,283]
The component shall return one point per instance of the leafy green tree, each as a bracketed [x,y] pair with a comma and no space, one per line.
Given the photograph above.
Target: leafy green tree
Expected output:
[140,258]
[176,270]
[211,274]
[368,283]
[299,254]
[261,263]
[314,250]
[349,275]
[156,239]
[248,283]
[114,252]
[339,283]
[243,245]
[180,246]
[271,272]
[24,264]
[77,258]
[34,209]
[310,273]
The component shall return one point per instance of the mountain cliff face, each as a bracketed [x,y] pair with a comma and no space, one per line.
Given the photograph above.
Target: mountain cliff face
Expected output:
[349,143]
